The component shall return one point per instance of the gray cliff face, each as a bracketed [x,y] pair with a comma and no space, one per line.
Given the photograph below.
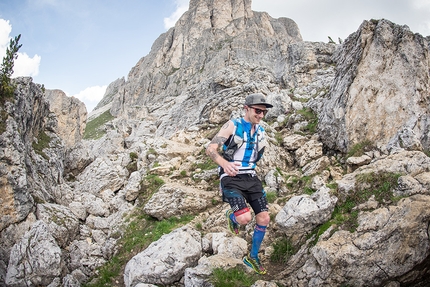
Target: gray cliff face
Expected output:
[381,90]
[71,116]
[196,62]
[27,119]
[64,200]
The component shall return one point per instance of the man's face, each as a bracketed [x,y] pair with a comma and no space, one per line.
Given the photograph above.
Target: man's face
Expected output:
[255,113]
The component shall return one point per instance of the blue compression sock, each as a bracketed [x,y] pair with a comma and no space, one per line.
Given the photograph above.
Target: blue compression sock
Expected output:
[257,238]
[233,218]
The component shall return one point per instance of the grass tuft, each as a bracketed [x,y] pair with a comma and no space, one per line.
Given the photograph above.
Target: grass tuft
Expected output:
[232,277]
[359,149]
[93,129]
[283,249]
[311,117]
[41,143]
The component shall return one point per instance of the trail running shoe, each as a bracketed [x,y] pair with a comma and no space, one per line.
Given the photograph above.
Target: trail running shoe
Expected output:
[234,227]
[255,264]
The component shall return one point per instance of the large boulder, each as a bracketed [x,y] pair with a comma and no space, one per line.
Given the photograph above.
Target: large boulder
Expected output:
[165,260]
[388,243]
[36,260]
[176,200]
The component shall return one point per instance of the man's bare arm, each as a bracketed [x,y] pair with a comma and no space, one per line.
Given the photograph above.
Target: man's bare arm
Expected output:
[212,149]
[214,145]
[218,141]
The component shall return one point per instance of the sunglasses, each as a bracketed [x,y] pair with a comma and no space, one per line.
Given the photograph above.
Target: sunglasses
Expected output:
[259,111]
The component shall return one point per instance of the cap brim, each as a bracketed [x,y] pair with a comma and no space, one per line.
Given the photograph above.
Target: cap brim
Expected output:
[260,104]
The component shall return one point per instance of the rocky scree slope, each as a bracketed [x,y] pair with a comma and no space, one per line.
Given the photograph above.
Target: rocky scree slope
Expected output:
[63,207]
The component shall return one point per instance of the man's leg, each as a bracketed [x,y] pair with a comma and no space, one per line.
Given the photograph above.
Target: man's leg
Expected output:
[239,214]
[262,221]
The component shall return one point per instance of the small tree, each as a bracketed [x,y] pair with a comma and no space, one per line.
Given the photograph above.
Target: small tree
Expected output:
[6,71]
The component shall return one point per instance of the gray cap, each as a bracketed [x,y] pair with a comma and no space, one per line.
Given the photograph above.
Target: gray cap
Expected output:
[257,99]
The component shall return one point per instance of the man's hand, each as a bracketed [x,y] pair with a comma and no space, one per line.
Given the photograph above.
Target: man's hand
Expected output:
[231,168]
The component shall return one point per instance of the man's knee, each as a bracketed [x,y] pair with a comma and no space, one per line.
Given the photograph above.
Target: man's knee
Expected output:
[263,218]
[243,217]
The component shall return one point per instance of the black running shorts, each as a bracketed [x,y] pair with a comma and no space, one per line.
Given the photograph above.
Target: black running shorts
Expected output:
[242,188]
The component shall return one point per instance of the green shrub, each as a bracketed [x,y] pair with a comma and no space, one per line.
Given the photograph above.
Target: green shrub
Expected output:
[319,231]
[279,138]
[6,70]
[308,190]
[378,184]
[215,201]
[296,183]
[208,164]
[132,166]
[133,156]
[152,151]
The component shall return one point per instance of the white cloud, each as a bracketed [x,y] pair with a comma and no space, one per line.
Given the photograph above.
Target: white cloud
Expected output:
[23,64]
[91,96]
[181,8]
[421,4]
[26,66]
[5,29]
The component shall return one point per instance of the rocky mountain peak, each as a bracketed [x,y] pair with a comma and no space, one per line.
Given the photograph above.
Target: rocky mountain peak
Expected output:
[196,58]
[218,14]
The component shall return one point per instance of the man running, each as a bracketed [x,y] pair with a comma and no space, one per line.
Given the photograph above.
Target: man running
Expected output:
[243,141]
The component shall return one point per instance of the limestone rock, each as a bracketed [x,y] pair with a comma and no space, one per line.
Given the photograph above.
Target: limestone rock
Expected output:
[175,200]
[234,247]
[165,260]
[303,213]
[133,186]
[411,163]
[174,101]
[381,83]
[61,222]
[208,38]
[382,248]
[294,142]
[200,274]
[308,151]
[104,174]
[24,123]
[71,116]
[36,260]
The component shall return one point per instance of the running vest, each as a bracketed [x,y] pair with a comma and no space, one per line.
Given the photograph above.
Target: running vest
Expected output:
[242,147]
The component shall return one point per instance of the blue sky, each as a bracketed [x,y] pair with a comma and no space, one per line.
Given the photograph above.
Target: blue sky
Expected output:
[81,46]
